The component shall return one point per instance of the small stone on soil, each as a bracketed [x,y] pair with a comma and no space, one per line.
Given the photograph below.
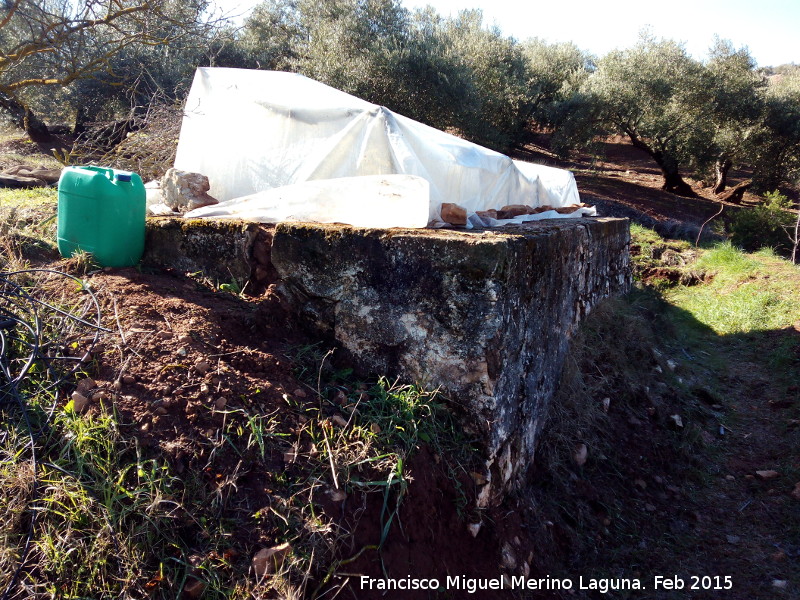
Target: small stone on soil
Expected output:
[84,385]
[478,478]
[80,403]
[581,454]
[769,474]
[202,367]
[337,495]
[268,560]
[778,556]
[507,554]
[193,589]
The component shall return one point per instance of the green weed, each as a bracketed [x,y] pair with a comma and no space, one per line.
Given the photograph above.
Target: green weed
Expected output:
[755,292]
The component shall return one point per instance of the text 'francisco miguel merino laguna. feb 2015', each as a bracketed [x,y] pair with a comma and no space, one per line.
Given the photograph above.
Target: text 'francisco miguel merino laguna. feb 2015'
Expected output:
[601,585]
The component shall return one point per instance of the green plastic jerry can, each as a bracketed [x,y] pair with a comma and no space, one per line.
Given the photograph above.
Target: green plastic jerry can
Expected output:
[101,211]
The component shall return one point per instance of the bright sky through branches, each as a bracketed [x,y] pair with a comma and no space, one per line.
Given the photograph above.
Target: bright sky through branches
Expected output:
[770,28]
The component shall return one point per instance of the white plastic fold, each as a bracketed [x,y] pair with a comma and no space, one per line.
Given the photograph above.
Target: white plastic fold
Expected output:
[368,201]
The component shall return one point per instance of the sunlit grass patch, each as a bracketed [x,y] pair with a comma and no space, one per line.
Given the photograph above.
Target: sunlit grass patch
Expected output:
[728,261]
[27,224]
[28,198]
[749,292]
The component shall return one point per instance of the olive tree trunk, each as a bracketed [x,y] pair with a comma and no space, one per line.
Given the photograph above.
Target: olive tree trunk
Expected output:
[722,166]
[24,118]
[673,182]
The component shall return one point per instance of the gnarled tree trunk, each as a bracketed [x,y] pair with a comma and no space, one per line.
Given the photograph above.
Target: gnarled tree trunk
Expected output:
[721,168]
[24,118]
[673,182]
[736,193]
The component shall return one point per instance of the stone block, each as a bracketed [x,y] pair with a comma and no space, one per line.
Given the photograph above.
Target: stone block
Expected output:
[224,251]
[484,315]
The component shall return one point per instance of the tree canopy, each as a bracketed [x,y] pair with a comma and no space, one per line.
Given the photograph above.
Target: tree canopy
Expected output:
[55,43]
[81,60]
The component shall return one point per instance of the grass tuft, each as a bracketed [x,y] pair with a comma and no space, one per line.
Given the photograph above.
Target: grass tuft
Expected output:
[749,292]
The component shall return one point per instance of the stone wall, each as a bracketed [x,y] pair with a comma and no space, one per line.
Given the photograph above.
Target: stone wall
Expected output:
[484,315]
[223,251]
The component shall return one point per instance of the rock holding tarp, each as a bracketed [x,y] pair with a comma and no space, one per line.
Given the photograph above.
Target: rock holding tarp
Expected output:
[184,191]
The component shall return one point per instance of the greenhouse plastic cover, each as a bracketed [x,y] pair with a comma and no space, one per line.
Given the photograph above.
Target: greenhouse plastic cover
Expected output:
[250,131]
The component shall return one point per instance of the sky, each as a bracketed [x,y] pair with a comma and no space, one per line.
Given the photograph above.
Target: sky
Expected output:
[769,28]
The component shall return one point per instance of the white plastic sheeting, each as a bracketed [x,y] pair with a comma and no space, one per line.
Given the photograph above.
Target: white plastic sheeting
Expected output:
[250,131]
[368,201]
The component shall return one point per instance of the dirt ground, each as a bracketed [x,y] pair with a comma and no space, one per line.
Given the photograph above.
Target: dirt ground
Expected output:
[193,355]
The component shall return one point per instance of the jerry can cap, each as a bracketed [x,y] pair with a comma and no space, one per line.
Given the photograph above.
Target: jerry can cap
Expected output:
[123,176]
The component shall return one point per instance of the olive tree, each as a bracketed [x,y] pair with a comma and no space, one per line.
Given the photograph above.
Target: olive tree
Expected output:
[351,45]
[736,109]
[435,87]
[555,72]
[451,73]
[498,79]
[271,36]
[776,144]
[658,96]
[55,43]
